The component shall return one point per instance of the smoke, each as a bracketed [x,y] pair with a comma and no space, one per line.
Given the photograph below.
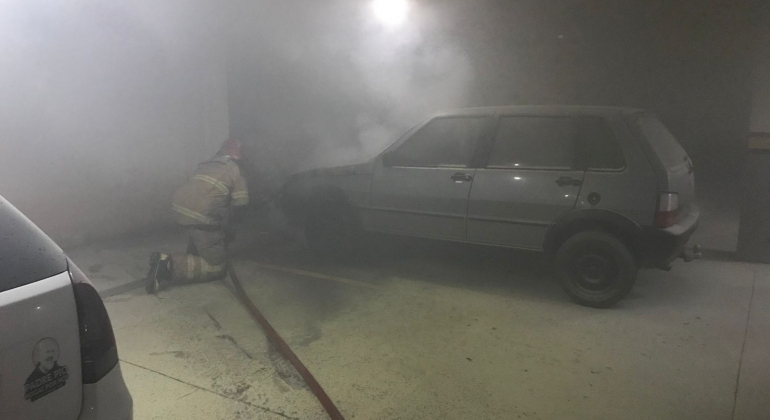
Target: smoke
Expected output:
[106,107]
[109,105]
[408,76]
[316,85]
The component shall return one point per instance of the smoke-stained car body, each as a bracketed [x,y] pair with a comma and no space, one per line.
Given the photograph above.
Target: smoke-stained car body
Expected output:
[350,183]
[603,191]
[58,358]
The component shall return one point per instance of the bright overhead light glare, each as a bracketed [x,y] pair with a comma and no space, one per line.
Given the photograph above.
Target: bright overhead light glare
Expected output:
[390,12]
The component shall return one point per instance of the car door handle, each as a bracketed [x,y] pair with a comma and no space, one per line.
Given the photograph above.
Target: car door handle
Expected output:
[461,177]
[568,181]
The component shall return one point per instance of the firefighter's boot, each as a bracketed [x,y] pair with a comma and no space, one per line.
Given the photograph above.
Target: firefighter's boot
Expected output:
[161,269]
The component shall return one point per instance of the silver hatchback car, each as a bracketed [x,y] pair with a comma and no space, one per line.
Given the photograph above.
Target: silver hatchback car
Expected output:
[602,191]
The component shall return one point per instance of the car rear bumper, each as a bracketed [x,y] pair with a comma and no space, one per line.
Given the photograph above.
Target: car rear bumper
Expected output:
[662,246]
[107,399]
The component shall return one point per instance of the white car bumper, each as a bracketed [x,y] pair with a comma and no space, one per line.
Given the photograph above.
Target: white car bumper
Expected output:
[107,399]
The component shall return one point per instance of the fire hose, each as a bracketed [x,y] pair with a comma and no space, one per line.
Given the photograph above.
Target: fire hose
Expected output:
[276,340]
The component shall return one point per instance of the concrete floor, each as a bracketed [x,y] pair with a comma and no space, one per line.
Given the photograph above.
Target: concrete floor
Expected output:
[428,330]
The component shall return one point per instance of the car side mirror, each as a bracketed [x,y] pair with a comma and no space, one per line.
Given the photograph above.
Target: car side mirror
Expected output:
[387,159]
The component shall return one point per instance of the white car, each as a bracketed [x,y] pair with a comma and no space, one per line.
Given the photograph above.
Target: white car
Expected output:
[58,358]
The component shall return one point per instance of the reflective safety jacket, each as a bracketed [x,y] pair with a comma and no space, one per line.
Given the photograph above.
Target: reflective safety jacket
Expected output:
[206,199]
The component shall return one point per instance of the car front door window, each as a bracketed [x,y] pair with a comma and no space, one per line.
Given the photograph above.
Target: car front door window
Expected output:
[423,188]
[442,143]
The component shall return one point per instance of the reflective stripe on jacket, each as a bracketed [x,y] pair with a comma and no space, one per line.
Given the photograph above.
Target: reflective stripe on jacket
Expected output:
[207,197]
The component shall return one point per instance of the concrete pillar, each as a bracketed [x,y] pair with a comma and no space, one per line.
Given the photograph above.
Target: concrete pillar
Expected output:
[754,234]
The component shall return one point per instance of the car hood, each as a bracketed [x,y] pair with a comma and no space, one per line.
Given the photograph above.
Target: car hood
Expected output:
[364,168]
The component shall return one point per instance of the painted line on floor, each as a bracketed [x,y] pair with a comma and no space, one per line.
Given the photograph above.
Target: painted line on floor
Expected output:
[123,288]
[369,286]
[743,346]
[316,275]
[200,388]
[127,287]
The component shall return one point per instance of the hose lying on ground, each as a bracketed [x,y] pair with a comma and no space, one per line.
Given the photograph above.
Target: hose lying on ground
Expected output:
[284,348]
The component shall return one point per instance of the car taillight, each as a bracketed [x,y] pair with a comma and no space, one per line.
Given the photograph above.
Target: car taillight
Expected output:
[98,352]
[668,206]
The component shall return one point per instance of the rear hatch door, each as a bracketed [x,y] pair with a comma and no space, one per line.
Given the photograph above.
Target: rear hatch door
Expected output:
[672,164]
[40,373]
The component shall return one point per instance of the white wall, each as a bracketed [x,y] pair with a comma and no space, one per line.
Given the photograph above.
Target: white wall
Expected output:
[760,115]
[106,107]
[754,235]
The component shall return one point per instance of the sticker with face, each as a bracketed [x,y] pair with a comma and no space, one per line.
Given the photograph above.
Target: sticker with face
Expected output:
[48,375]
[45,354]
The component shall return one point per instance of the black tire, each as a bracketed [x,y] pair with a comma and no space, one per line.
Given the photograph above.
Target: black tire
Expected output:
[595,269]
[332,232]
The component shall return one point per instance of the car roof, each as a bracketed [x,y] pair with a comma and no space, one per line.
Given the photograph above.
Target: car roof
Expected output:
[542,110]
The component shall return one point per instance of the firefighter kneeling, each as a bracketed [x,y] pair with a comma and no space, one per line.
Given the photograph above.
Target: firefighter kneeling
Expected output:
[205,205]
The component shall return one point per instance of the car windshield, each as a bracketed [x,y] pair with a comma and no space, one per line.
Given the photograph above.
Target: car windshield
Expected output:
[26,253]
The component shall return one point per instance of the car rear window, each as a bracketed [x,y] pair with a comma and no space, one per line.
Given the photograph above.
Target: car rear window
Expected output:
[26,253]
[599,147]
[665,145]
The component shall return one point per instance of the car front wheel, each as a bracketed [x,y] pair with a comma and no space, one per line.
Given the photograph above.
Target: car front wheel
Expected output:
[332,232]
[595,269]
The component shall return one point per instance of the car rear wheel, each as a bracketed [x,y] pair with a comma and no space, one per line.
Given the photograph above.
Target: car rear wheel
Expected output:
[332,231]
[596,269]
